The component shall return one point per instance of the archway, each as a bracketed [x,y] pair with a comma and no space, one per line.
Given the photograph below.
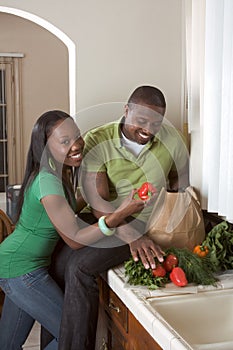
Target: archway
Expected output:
[64,38]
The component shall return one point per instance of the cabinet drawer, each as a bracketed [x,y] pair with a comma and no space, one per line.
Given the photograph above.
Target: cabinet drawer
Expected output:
[116,310]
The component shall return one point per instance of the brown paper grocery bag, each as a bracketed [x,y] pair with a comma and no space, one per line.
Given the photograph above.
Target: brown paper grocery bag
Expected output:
[177,220]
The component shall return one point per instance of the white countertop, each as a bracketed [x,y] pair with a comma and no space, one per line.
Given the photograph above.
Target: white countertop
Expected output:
[136,300]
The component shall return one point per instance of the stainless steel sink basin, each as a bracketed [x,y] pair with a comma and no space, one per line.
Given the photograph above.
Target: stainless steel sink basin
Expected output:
[204,320]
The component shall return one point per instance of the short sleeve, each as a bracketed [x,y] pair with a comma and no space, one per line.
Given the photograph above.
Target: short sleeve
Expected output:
[94,159]
[181,154]
[174,142]
[48,184]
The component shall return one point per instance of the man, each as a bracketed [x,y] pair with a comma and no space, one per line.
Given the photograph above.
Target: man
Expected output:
[138,148]
[120,156]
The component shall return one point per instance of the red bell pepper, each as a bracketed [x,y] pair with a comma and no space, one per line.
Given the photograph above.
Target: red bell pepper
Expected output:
[178,277]
[146,190]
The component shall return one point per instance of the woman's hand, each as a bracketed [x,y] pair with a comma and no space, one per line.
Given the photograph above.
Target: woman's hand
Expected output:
[131,205]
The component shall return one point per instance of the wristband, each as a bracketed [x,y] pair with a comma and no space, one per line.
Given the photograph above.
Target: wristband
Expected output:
[104,228]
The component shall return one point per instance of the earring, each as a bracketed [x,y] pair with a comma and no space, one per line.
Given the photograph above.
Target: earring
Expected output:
[51,164]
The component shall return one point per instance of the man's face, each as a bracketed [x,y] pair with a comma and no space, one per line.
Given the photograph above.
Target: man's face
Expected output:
[142,122]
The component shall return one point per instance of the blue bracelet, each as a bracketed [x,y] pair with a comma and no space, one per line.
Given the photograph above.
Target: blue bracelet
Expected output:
[104,228]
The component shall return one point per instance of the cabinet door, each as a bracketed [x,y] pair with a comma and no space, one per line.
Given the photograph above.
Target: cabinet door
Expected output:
[114,315]
[117,340]
[139,338]
[122,330]
[102,329]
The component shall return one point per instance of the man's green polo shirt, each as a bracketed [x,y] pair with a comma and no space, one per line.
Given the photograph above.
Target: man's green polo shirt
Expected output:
[104,153]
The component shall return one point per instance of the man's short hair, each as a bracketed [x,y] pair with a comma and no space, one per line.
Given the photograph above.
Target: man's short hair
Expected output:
[149,95]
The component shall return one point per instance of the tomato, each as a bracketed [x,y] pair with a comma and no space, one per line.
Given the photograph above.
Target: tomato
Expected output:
[159,271]
[201,250]
[146,190]
[178,277]
[170,262]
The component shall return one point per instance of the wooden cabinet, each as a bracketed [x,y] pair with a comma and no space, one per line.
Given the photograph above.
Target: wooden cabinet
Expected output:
[118,328]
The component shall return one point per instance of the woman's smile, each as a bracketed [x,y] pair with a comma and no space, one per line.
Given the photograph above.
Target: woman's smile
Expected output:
[74,159]
[75,156]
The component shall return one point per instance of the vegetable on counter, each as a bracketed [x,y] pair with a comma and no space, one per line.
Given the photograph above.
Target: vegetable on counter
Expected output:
[170,262]
[159,271]
[138,275]
[201,250]
[220,244]
[146,191]
[178,277]
[196,270]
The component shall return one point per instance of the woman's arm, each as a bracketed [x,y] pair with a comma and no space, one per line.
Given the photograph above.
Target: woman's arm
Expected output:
[96,189]
[65,222]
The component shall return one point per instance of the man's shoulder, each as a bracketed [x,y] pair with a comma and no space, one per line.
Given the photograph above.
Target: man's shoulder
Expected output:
[105,131]
[169,131]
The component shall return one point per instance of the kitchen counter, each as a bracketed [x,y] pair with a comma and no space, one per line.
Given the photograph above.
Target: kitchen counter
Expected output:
[140,301]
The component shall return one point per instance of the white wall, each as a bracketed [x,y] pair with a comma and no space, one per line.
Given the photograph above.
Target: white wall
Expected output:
[119,45]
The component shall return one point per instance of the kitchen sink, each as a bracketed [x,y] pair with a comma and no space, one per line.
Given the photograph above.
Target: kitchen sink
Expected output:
[204,320]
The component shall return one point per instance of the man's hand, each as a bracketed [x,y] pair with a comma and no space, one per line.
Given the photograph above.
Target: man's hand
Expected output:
[145,249]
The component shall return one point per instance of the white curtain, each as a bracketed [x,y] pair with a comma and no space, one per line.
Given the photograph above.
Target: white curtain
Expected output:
[217,170]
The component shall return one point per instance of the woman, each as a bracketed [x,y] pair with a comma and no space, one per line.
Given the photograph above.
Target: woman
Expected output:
[47,208]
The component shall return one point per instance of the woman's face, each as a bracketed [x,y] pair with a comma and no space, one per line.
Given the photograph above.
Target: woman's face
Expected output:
[66,143]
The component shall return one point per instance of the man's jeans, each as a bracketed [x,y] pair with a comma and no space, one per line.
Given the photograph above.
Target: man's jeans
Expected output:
[33,296]
[81,300]
[77,272]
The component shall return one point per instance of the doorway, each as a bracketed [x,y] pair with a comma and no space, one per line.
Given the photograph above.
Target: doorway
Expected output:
[43,84]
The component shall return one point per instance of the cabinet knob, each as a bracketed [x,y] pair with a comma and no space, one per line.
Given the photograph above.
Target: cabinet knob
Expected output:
[113,307]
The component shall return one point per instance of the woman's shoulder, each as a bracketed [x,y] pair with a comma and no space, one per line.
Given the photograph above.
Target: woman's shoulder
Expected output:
[47,183]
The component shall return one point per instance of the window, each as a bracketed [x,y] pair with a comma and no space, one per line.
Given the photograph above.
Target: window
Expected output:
[3,133]
[10,121]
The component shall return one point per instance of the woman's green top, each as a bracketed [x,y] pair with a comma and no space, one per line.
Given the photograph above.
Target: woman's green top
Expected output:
[31,244]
